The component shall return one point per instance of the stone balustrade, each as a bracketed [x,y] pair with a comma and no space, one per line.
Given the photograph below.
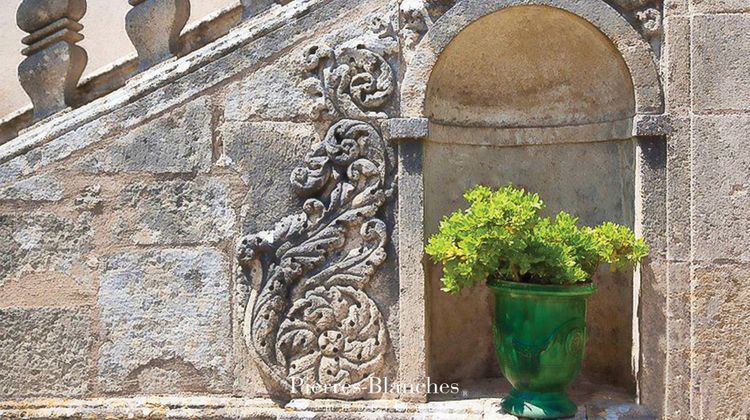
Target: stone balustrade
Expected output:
[51,73]
[154,27]
[54,62]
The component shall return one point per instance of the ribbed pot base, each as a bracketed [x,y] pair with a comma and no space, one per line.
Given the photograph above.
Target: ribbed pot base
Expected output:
[539,405]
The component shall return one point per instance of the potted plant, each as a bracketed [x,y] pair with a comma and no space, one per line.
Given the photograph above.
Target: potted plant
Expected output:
[540,270]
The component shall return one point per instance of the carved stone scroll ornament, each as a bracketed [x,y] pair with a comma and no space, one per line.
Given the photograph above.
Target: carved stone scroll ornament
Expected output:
[645,14]
[415,20]
[651,22]
[357,81]
[313,329]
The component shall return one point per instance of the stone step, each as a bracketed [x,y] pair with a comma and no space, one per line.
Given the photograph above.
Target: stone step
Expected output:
[218,407]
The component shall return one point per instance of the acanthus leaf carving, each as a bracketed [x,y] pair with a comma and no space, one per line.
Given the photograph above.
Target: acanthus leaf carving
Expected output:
[650,20]
[414,21]
[356,79]
[644,15]
[312,323]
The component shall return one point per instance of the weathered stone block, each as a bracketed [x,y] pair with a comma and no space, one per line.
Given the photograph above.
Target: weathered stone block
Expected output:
[677,70]
[44,187]
[651,181]
[676,7]
[721,62]
[175,212]
[44,243]
[677,380]
[44,352]
[177,142]
[53,149]
[165,322]
[721,164]
[678,191]
[652,309]
[395,129]
[280,92]
[721,325]
[265,154]
[721,6]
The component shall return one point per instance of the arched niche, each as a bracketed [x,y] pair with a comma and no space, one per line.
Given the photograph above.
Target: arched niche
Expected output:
[540,97]
[633,49]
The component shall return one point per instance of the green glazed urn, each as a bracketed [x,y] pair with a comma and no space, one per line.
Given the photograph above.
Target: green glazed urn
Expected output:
[540,338]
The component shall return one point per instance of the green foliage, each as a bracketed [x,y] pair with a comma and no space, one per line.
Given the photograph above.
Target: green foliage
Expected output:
[502,236]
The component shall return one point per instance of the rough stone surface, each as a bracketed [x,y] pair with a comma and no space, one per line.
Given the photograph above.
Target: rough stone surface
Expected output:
[721,6]
[676,399]
[37,188]
[652,337]
[44,244]
[675,8]
[278,93]
[722,190]
[45,352]
[678,191]
[405,129]
[721,62]
[165,322]
[179,141]
[264,155]
[721,324]
[174,212]
[414,291]
[677,64]
[651,192]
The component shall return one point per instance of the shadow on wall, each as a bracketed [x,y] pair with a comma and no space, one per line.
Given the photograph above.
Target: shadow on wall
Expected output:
[538,97]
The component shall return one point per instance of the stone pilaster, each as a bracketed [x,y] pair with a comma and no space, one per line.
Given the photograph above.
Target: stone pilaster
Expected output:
[154,28]
[413,362]
[53,63]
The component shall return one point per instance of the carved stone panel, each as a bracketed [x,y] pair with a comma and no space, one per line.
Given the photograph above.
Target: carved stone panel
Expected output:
[313,328]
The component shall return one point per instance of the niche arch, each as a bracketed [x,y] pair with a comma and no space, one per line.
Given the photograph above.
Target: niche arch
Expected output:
[620,86]
[634,50]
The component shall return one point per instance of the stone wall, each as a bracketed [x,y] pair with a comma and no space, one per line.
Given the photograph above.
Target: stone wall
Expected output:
[311,133]
[707,58]
[119,269]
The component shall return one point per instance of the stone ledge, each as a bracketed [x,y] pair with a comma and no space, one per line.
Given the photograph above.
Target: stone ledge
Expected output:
[396,129]
[212,407]
[232,407]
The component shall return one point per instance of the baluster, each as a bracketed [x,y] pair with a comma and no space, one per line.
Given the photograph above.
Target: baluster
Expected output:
[53,65]
[154,28]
